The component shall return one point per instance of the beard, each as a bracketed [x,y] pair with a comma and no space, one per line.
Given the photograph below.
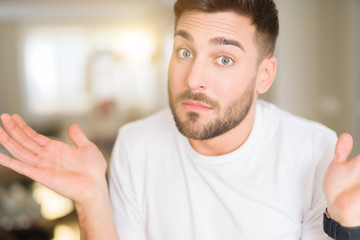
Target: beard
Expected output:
[228,118]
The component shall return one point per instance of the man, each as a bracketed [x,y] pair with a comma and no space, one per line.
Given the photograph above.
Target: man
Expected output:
[233,167]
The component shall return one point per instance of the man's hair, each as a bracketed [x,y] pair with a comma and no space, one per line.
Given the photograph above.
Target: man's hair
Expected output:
[263,14]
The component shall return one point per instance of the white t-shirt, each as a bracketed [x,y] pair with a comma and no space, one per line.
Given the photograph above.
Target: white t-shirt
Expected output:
[269,188]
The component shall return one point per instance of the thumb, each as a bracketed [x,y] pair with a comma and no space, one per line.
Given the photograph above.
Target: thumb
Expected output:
[343,148]
[77,136]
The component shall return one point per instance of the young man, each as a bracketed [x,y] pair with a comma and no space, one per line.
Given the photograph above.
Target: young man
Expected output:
[231,167]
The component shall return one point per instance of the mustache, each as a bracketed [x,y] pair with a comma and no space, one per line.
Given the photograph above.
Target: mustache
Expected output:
[199,97]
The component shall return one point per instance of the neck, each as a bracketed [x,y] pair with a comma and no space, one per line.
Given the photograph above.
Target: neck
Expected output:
[229,141]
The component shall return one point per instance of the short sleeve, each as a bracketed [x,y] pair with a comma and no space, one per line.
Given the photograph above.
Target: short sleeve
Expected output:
[312,225]
[127,215]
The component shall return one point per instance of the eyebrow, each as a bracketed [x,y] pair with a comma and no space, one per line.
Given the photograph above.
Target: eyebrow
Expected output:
[213,41]
[184,34]
[225,41]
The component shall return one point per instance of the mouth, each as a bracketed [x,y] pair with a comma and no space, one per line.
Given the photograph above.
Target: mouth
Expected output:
[195,106]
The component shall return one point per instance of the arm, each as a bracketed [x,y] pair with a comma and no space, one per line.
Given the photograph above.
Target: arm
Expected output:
[95,218]
[75,172]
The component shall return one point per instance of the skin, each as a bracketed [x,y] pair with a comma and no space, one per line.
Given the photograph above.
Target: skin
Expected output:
[201,71]
[61,167]
[342,184]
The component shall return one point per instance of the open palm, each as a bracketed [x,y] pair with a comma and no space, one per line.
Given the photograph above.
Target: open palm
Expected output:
[71,171]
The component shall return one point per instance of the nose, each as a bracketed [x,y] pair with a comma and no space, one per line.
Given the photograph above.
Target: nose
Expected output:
[197,79]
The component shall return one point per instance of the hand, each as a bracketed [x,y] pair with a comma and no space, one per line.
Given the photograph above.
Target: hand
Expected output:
[342,184]
[75,172]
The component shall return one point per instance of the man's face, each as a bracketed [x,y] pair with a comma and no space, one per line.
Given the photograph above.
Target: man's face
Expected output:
[212,73]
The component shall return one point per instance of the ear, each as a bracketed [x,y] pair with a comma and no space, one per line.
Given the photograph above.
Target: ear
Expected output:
[267,74]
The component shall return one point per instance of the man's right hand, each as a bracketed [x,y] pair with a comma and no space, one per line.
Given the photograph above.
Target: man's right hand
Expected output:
[74,172]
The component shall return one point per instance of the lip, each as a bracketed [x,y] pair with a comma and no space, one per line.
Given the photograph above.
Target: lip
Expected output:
[195,106]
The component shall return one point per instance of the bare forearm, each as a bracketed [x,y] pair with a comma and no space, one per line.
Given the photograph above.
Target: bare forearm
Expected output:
[95,218]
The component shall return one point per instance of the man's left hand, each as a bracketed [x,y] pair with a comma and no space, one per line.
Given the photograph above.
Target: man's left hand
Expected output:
[342,184]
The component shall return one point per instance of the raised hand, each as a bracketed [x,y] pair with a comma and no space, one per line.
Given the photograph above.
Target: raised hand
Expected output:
[75,172]
[342,184]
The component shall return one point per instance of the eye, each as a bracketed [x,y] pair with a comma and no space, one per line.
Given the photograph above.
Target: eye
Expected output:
[225,61]
[184,53]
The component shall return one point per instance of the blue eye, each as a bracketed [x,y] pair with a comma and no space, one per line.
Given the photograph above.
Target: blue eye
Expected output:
[225,61]
[184,53]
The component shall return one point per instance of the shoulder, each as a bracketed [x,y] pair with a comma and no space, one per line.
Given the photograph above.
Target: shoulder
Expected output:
[296,135]
[158,126]
[281,120]
[143,139]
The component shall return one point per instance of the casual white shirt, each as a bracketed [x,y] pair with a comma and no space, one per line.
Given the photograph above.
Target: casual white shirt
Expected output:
[269,188]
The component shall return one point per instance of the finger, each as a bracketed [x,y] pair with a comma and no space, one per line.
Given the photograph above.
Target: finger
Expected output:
[38,138]
[77,136]
[20,167]
[18,134]
[343,148]
[15,149]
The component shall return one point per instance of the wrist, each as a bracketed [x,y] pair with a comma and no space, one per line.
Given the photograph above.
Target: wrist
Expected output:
[337,231]
[95,216]
[344,217]
[97,193]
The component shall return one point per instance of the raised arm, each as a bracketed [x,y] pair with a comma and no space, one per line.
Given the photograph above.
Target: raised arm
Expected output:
[74,172]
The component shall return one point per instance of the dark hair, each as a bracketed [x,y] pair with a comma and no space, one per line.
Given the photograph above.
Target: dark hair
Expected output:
[263,14]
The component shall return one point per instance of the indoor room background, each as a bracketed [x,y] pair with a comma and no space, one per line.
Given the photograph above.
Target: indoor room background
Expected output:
[104,63]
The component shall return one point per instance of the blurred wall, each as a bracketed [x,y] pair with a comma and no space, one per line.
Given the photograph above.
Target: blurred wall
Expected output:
[355,69]
[9,68]
[313,52]
[318,53]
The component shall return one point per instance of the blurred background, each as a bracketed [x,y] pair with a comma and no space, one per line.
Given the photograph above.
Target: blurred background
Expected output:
[104,63]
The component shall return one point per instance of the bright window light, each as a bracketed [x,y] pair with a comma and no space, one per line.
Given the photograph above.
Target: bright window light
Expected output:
[137,46]
[68,70]
[54,73]
[53,205]
[41,68]
[62,232]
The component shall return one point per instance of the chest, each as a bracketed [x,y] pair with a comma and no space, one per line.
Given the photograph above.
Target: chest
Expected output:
[189,201]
